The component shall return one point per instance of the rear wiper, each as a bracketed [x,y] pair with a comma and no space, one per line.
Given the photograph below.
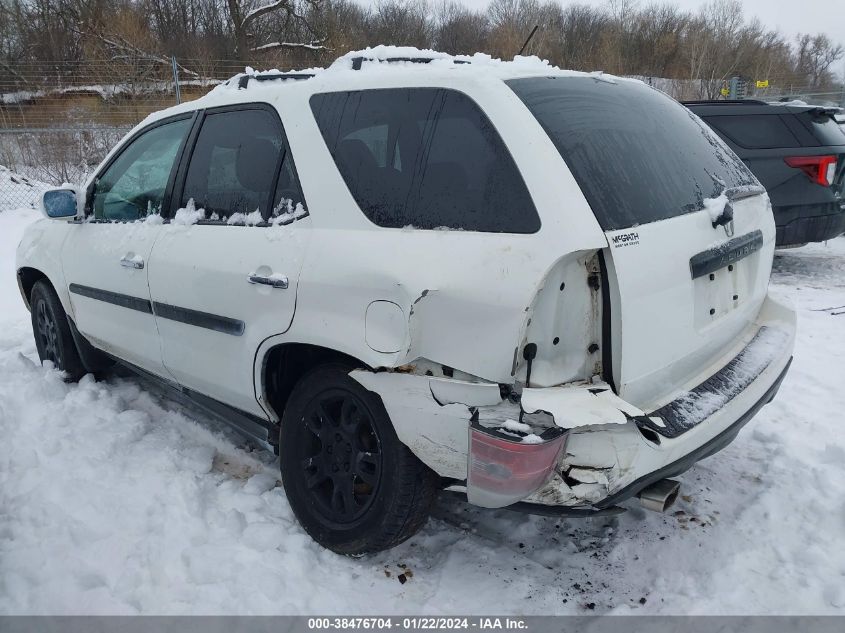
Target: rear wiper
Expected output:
[744,191]
[822,112]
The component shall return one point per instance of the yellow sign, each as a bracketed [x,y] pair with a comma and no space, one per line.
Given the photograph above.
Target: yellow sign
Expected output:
[764,83]
[725,92]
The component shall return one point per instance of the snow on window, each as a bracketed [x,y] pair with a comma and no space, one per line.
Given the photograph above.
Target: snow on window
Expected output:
[246,219]
[286,212]
[189,214]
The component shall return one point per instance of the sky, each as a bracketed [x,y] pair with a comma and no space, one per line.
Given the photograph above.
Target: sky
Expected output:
[788,16]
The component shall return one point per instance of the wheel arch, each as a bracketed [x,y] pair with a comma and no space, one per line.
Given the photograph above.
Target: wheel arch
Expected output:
[284,364]
[27,278]
[93,360]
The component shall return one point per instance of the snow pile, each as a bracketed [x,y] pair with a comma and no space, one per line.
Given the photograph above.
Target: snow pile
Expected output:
[188,215]
[18,191]
[115,500]
[246,219]
[715,206]
[153,219]
[286,212]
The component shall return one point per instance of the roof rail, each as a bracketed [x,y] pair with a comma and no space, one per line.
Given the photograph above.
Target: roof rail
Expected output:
[243,81]
[724,101]
[357,62]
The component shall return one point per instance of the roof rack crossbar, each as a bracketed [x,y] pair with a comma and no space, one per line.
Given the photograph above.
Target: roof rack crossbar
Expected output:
[357,62]
[243,82]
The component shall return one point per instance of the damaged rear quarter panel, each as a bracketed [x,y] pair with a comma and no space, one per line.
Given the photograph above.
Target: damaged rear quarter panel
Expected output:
[465,294]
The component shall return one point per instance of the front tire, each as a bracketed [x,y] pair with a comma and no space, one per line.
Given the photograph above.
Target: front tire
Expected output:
[53,338]
[352,484]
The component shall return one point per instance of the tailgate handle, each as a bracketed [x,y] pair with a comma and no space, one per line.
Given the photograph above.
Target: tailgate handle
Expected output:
[738,248]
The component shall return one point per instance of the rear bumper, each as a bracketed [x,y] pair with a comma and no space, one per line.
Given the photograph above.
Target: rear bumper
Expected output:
[705,450]
[603,465]
[810,223]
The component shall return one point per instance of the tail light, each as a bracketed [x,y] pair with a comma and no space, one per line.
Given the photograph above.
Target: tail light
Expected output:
[820,169]
[503,470]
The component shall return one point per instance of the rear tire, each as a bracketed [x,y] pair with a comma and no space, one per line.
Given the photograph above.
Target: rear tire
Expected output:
[53,337]
[352,484]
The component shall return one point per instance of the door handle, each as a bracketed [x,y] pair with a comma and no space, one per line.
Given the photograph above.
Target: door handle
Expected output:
[135,261]
[275,281]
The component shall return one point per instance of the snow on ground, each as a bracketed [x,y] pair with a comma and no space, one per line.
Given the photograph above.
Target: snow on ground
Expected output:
[114,500]
[19,191]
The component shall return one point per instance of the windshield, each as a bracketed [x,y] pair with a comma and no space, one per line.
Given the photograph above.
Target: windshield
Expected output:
[638,155]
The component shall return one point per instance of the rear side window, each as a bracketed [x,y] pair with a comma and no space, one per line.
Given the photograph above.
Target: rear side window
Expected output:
[825,128]
[234,164]
[764,131]
[637,155]
[426,158]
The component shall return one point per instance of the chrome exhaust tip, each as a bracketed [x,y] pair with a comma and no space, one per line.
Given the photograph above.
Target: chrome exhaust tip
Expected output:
[660,495]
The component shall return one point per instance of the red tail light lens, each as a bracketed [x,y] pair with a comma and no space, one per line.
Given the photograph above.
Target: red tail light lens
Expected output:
[820,169]
[503,471]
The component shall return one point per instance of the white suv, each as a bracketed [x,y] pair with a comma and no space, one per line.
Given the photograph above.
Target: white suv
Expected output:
[542,289]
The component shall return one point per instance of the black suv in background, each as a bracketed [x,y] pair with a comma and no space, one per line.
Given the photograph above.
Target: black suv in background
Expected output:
[797,152]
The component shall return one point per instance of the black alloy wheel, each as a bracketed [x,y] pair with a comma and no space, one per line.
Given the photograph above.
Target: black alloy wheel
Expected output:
[343,458]
[351,483]
[51,328]
[48,333]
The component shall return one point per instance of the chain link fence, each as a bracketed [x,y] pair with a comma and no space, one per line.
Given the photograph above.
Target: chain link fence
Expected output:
[58,120]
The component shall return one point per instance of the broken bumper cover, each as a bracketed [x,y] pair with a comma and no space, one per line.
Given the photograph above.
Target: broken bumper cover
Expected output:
[609,449]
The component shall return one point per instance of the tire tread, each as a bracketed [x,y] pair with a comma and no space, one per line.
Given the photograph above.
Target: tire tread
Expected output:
[413,490]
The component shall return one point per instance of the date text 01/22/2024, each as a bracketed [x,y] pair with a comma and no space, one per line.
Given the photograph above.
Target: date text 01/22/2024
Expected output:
[417,623]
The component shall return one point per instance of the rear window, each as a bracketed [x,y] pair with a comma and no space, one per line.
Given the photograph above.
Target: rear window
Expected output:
[425,158]
[637,155]
[825,128]
[763,131]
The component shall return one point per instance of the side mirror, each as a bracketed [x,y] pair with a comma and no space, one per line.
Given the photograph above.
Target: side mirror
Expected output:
[59,203]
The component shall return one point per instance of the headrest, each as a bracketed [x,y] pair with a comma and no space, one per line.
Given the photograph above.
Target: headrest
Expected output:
[256,163]
[353,157]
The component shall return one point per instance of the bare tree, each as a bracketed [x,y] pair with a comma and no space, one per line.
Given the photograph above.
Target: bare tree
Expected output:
[460,30]
[815,55]
[246,18]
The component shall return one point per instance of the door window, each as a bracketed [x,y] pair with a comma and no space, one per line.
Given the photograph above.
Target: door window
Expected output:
[133,186]
[288,202]
[426,158]
[233,167]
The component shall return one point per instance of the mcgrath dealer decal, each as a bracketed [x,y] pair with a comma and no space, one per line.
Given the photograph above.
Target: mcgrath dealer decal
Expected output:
[631,238]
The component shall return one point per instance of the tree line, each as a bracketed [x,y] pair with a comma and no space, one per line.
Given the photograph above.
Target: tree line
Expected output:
[703,48]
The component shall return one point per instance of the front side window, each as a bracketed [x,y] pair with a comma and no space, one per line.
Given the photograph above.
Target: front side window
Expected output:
[133,186]
[233,164]
[424,157]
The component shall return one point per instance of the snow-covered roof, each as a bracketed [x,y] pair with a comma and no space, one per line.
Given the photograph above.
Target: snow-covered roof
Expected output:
[381,66]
